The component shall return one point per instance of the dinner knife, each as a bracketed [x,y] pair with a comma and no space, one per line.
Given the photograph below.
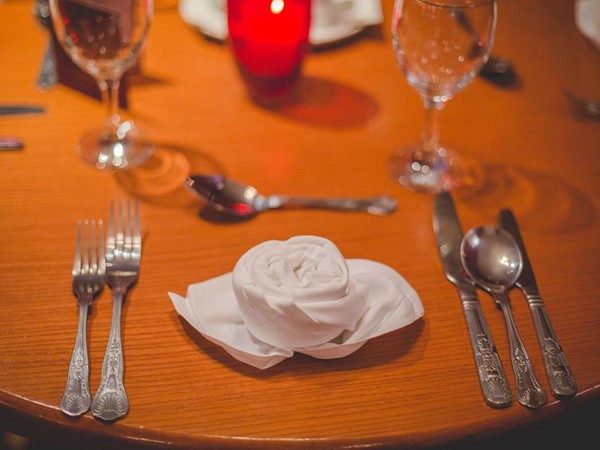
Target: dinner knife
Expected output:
[559,373]
[448,233]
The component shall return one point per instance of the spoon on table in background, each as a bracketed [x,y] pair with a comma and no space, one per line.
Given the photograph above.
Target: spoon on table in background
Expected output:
[492,258]
[235,199]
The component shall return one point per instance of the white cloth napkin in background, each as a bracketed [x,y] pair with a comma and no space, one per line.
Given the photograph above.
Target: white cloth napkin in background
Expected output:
[298,295]
[587,19]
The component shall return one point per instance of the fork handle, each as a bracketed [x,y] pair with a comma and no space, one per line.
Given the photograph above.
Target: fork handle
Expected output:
[528,389]
[110,402]
[558,370]
[76,398]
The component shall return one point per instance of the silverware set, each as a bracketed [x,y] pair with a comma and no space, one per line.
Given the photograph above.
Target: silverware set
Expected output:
[494,258]
[118,265]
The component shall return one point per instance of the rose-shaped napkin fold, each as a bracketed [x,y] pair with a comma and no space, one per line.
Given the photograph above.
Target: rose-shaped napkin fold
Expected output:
[298,295]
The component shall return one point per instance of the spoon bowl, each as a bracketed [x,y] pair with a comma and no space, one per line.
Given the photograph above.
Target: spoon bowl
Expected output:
[239,200]
[492,258]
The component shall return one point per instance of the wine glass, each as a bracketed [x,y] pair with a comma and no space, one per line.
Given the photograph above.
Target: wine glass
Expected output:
[440,45]
[104,38]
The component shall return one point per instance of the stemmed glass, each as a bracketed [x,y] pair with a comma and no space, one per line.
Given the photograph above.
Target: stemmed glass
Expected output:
[104,38]
[440,45]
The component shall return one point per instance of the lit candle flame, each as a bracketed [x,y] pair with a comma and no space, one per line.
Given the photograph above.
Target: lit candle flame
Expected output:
[277,6]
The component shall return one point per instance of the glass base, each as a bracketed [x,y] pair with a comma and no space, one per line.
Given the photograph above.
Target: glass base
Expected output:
[117,148]
[426,171]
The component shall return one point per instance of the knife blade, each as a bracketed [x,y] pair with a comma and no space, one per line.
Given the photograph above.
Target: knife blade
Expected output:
[562,381]
[448,233]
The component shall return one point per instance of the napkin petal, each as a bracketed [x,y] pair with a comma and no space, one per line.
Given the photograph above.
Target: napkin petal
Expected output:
[210,307]
[392,302]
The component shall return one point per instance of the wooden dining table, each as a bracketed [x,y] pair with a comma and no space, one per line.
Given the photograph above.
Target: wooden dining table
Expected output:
[416,387]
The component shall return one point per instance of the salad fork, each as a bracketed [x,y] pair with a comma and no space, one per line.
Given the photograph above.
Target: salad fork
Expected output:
[123,253]
[88,281]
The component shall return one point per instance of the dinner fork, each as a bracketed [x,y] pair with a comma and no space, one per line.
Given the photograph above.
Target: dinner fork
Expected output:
[123,253]
[88,281]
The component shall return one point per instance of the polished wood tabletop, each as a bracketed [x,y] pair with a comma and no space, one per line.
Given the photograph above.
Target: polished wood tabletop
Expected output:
[416,387]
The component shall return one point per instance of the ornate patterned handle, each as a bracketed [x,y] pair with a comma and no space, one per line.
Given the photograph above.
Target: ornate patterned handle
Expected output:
[110,402]
[559,373]
[76,398]
[529,391]
[492,378]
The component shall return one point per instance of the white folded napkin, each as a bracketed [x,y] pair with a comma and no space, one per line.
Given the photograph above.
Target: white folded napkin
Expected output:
[587,19]
[298,295]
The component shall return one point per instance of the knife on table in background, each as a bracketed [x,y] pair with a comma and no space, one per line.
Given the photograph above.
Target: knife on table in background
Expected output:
[559,373]
[448,233]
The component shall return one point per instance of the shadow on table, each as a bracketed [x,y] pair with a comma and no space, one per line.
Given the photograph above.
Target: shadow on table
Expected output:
[160,180]
[541,202]
[325,103]
[380,350]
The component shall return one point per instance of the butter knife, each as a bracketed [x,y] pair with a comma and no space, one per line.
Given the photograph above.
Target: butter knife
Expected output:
[559,373]
[448,233]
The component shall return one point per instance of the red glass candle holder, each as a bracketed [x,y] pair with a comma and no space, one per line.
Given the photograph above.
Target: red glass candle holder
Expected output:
[269,39]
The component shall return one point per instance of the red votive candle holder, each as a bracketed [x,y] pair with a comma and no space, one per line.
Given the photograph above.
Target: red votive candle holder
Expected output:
[269,39]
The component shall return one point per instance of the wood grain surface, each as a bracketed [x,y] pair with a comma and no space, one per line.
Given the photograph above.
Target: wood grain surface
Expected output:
[413,388]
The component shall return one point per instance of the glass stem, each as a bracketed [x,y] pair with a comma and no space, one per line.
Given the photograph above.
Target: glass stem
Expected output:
[110,96]
[430,136]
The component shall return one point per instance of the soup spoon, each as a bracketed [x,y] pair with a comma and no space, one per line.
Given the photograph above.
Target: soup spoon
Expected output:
[236,199]
[491,257]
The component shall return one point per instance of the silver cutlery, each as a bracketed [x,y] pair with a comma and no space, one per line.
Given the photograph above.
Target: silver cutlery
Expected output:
[585,106]
[562,381]
[7,110]
[123,254]
[239,200]
[11,143]
[48,76]
[492,378]
[88,281]
[492,259]
[498,65]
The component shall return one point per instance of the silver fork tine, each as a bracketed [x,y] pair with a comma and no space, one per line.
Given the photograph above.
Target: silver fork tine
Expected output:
[77,259]
[127,230]
[110,234]
[93,253]
[137,235]
[101,254]
[85,263]
[88,280]
[120,233]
